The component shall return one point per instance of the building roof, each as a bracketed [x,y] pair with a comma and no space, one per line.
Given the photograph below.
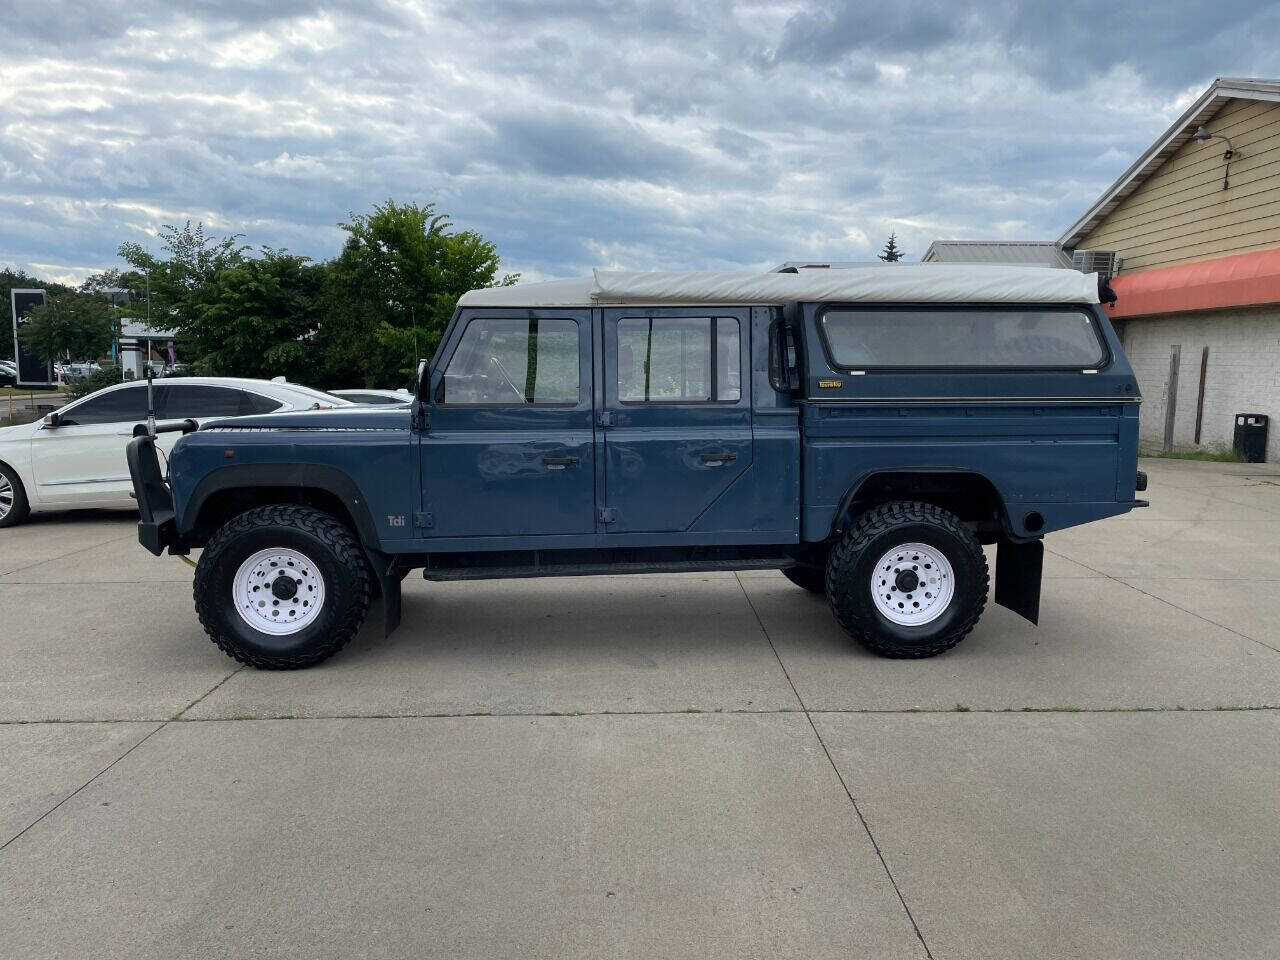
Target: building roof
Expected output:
[138,329]
[1169,142]
[1044,253]
[888,283]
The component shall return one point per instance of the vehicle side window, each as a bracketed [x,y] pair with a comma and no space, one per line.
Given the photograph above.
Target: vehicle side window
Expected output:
[679,360]
[510,362]
[127,405]
[260,404]
[201,402]
[932,337]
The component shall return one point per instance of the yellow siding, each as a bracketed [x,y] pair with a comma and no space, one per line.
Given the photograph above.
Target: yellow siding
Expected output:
[1181,213]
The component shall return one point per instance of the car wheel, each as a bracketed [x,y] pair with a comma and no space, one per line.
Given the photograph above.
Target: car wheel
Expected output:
[813,579]
[13,498]
[908,580]
[282,587]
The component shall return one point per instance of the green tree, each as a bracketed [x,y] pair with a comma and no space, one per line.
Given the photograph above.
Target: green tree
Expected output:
[257,317]
[891,253]
[392,289]
[72,324]
[165,289]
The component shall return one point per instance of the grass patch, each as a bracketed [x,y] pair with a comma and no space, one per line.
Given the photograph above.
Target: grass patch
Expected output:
[30,391]
[1219,455]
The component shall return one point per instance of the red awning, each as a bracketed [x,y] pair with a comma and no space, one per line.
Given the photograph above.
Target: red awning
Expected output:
[1245,279]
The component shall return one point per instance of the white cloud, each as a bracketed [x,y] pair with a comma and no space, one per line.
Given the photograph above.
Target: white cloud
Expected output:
[640,134]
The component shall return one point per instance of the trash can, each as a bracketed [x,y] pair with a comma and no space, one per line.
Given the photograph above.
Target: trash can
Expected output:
[1250,440]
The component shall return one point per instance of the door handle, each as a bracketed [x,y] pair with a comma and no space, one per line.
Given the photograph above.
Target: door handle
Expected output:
[715,458]
[559,463]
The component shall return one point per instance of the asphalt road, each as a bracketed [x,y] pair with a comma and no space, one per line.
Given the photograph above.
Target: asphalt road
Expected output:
[668,766]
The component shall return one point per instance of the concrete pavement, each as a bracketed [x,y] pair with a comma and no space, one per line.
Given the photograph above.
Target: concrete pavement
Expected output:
[671,766]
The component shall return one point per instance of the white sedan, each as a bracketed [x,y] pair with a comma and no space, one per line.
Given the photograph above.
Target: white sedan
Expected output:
[76,457]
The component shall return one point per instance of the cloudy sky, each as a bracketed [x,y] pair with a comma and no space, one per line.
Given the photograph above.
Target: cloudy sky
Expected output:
[647,135]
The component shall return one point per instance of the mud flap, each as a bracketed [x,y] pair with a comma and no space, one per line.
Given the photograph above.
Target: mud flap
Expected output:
[1018,570]
[389,574]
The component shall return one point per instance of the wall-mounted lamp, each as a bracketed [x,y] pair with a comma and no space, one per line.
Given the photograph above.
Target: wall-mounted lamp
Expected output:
[1203,135]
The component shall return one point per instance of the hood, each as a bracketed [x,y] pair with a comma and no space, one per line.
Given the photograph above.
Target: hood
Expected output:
[337,418]
[19,431]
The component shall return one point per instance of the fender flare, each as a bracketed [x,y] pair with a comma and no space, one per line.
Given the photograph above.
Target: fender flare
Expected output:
[298,475]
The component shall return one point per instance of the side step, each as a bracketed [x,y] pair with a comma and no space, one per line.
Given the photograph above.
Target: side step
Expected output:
[604,569]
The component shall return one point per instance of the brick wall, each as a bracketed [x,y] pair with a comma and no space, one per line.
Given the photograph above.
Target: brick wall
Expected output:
[1243,373]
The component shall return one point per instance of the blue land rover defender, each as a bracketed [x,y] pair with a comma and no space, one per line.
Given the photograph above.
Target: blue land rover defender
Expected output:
[863,430]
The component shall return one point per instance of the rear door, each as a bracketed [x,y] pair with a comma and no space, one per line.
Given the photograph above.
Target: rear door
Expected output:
[676,414]
[510,446]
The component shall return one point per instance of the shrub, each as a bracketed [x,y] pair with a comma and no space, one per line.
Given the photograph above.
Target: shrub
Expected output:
[86,385]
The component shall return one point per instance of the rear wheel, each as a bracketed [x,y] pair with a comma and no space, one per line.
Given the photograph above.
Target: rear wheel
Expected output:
[13,498]
[282,587]
[908,580]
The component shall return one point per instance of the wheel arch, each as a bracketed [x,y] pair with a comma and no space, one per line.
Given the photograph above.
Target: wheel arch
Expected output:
[228,491]
[24,488]
[970,495]
[8,465]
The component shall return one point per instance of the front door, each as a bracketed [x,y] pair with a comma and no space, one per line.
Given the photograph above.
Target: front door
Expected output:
[510,444]
[677,414]
[82,461]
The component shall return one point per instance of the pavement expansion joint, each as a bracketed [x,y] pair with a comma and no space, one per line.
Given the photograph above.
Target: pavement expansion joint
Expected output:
[840,777]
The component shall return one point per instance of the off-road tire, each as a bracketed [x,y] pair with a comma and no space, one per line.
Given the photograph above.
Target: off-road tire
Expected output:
[338,558]
[850,568]
[20,508]
[813,579]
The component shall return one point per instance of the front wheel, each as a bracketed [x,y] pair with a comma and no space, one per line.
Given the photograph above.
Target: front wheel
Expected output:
[13,498]
[908,580]
[282,587]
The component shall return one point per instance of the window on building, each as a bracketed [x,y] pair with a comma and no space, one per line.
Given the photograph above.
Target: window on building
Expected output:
[509,362]
[679,360]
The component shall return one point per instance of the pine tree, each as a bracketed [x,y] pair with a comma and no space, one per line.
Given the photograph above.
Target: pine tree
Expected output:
[891,253]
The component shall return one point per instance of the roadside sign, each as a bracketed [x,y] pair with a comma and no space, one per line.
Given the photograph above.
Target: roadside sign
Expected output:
[32,371]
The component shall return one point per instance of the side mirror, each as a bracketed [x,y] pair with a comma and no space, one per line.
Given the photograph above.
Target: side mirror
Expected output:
[51,420]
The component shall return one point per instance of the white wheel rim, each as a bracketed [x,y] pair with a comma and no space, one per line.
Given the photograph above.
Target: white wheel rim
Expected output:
[913,584]
[6,496]
[278,609]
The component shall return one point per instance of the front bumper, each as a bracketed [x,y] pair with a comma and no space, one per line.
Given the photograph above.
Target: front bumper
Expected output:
[157,526]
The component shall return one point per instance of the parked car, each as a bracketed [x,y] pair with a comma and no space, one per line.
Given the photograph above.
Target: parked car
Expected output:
[75,457]
[374,396]
[67,370]
[8,373]
[864,431]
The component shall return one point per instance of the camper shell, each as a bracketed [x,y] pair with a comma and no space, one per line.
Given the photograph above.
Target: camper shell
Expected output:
[647,422]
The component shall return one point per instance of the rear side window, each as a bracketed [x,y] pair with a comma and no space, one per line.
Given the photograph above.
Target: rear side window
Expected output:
[679,360]
[514,362]
[126,405]
[987,337]
[206,402]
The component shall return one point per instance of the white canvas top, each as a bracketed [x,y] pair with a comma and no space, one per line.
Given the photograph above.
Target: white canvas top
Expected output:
[887,283]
